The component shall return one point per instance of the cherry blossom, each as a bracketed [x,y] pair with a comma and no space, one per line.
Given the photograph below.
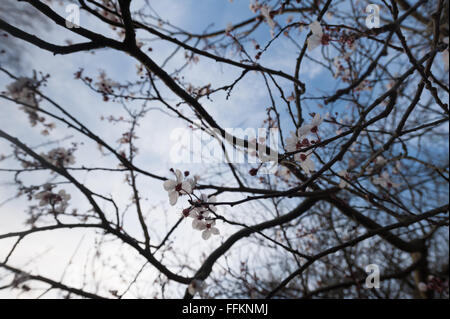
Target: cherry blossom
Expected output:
[58,201]
[193,181]
[59,157]
[316,121]
[265,11]
[207,203]
[384,181]
[317,34]
[22,91]
[306,163]
[291,142]
[300,140]
[177,187]
[380,160]
[283,173]
[200,218]
[304,130]
[296,142]
[188,212]
[210,229]
[198,221]
[105,84]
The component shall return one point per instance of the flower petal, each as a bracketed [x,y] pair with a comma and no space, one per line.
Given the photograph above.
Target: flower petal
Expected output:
[314,42]
[198,224]
[317,120]
[173,197]
[206,234]
[316,28]
[179,176]
[169,185]
[304,130]
[186,187]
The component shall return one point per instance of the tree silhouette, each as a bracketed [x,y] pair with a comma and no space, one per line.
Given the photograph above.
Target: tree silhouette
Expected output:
[357,177]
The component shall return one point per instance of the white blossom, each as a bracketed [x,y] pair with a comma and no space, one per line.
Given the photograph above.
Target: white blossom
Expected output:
[177,187]
[21,90]
[300,140]
[105,84]
[384,181]
[188,212]
[59,201]
[193,181]
[198,222]
[296,142]
[316,121]
[59,157]
[304,130]
[292,142]
[265,11]
[283,173]
[316,38]
[312,127]
[306,163]
[210,229]
[207,203]
[380,160]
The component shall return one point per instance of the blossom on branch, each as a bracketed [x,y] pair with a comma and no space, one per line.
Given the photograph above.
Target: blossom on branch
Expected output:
[22,91]
[209,229]
[58,201]
[317,36]
[177,187]
[385,181]
[59,157]
[306,163]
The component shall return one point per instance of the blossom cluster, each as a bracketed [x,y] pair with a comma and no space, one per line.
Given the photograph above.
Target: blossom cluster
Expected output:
[22,91]
[57,201]
[59,157]
[301,139]
[105,85]
[201,207]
